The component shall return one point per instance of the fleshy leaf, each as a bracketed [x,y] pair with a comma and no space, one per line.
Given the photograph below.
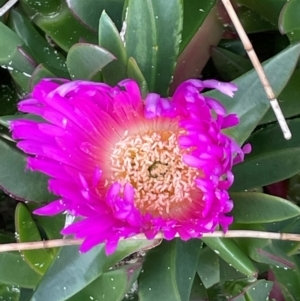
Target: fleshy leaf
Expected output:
[134,72]
[268,9]
[9,292]
[90,17]
[250,102]
[255,207]
[39,73]
[109,39]
[112,285]
[18,182]
[15,271]
[42,51]
[208,267]
[194,14]
[39,260]
[149,22]
[229,64]
[174,270]
[52,19]
[271,160]
[289,20]
[72,271]
[84,60]
[228,250]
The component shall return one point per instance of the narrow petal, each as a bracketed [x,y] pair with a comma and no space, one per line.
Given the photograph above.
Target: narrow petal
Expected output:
[226,88]
[55,207]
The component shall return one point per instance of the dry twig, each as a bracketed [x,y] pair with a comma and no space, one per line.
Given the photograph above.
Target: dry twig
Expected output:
[259,69]
[71,242]
[7,6]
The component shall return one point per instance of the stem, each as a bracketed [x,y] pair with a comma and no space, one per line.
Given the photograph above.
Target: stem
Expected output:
[259,69]
[71,242]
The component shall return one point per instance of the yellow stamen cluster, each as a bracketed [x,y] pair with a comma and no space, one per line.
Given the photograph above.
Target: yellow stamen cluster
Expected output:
[152,163]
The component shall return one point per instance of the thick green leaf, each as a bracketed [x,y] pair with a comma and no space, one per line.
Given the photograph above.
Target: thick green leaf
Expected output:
[39,73]
[235,46]
[289,17]
[255,207]
[264,251]
[135,73]
[89,11]
[25,294]
[198,291]
[71,271]
[84,60]
[243,291]
[152,39]
[14,55]
[288,226]
[9,292]
[288,22]
[169,270]
[294,36]
[196,54]
[229,64]
[288,100]
[289,281]
[208,267]
[250,102]
[277,251]
[50,225]
[59,23]
[39,260]
[253,22]
[109,39]
[44,7]
[228,250]
[259,290]
[228,272]
[272,158]
[111,286]
[22,80]
[41,50]
[194,14]
[268,9]
[15,271]
[18,182]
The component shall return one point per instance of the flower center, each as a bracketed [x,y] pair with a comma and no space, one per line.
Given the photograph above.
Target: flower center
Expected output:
[152,163]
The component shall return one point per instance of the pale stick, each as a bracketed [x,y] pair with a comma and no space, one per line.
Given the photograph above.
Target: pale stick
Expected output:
[7,6]
[259,69]
[71,242]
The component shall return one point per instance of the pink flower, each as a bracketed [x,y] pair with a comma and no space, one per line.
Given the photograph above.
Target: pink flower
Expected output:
[125,166]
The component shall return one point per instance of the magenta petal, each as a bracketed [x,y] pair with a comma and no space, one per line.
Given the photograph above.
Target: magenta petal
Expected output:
[52,208]
[111,246]
[193,161]
[128,193]
[77,134]
[226,88]
[247,148]
[225,221]
[151,105]
[90,242]
[230,120]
